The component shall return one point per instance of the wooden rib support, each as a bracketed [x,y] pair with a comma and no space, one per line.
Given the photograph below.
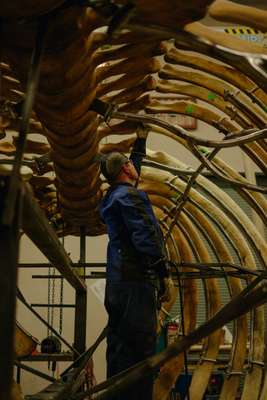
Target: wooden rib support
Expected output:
[37,227]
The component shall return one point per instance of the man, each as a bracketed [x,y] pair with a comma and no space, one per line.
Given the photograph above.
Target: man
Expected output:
[135,260]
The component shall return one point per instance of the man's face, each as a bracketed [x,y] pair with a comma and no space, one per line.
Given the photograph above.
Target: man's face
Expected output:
[130,170]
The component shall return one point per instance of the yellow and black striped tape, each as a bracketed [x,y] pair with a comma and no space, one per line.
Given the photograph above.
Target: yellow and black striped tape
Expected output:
[242,30]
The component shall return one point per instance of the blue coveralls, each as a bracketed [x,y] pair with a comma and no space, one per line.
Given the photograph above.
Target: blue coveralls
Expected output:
[135,242]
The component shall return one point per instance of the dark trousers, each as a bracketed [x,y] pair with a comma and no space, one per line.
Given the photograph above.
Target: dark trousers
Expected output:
[131,335]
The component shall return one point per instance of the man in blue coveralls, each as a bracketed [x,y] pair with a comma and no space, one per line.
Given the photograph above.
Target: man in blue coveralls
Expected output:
[135,260]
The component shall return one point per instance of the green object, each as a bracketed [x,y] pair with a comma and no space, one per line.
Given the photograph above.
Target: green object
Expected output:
[204,150]
[212,96]
[190,109]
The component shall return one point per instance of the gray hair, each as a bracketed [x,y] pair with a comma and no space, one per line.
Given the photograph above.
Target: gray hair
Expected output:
[111,164]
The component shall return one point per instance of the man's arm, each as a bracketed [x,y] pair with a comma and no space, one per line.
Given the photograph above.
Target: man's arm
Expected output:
[144,233]
[139,147]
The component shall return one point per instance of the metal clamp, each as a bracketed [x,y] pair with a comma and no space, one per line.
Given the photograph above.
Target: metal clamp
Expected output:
[257,362]
[253,90]
[218,125]
[228,94]
[233,373]
[170,181]
[212,360]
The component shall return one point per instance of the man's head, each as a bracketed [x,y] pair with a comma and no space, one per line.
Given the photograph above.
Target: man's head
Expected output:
[116,167]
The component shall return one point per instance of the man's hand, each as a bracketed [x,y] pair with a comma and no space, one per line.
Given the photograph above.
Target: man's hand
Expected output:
[142,131]
[167,288]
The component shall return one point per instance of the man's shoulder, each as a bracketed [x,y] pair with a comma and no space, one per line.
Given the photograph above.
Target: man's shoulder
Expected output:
[127,194]
[123,191]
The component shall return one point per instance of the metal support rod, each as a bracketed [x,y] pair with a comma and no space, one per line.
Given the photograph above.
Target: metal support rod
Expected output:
[35,372]
[9,240]
[81,302]
[44,357]
[74,265]
[91,276]
[53,305]
[182,133]
[184,197]
[183,275]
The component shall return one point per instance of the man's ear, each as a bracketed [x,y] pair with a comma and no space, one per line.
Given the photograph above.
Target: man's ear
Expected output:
[125,168]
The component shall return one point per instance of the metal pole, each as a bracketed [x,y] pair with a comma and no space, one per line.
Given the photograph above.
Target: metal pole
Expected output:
[81,301]
[9,239]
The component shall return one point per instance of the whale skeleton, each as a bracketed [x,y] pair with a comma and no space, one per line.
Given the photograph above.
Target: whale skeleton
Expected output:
[56,58]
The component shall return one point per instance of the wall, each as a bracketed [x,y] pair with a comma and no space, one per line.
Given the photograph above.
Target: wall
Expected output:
[36,291]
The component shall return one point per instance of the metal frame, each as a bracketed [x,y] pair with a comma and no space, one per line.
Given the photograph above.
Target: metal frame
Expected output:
[31,218]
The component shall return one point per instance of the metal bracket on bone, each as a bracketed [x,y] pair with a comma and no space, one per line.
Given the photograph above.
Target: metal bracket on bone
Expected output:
[211,360]
[230,94]
[254,99]
[104,7]
[103,108]
[218,125]
[233,110]
[41,162]
[260,363]
[229,373]
[120,19]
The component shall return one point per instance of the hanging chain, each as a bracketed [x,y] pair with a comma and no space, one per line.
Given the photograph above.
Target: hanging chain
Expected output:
[48,298]
[53,297]
[61,296]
